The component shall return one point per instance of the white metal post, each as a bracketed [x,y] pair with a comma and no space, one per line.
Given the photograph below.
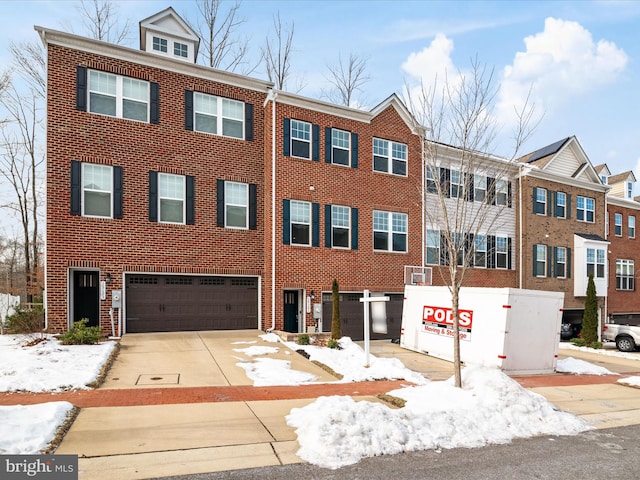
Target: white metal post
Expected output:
[366,300]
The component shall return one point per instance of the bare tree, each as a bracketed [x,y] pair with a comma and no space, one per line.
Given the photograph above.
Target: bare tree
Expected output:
[467,189]
[20,162]
[102,22]
[276,53]
[30,62]
[347,78]
[220,45]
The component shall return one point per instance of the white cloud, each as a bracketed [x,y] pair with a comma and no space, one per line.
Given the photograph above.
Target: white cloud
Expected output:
[431,61]
[561,62]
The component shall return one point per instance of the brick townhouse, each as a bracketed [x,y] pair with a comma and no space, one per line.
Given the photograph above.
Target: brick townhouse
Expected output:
[563,216]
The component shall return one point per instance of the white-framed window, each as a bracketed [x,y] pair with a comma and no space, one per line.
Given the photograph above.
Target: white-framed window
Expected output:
[603,179]
[340,147]
[180,49]
[97,190]
[432,187]
[480,251]
[630,190]
[502,252]
[632,226]
[340,226]
[585,209]
[118,96]
[502,192]
[457,187]
[561,205]
[389,157]
[300,222]
[595,262]
[561,262]
[218,115]
[540,206]
[479,187]
[433,247]
[171,198]
[160,44]
[540,261]
[625,274]
[617,223]
[236,205]
[300,139]
[389,231]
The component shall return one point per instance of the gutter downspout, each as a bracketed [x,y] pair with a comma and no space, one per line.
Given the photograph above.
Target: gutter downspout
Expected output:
[520,226]
[272,97]
[423,204]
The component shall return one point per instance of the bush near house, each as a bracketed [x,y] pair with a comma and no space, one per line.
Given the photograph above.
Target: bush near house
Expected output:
[80,334]
[25,321]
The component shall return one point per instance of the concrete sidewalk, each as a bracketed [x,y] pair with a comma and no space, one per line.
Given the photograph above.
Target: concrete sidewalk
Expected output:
[146,441]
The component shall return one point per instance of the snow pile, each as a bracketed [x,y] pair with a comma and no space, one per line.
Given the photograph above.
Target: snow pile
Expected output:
[580,367]
[490,408]
[630,381]
[608,349]
[49,366]
[256,350]
[271,371]
[29,429]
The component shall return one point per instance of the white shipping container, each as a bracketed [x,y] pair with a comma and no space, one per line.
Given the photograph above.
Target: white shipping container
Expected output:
[515,330]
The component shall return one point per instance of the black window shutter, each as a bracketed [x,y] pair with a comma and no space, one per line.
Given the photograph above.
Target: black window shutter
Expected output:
[76,187]
[491,251]
[556,209]
[535,259]
[549,261]
[445,178]
[188,110]
[117,192]
[509,243]
[155,102]
[315,224]
[550,197]
[469,185]
[81,88]
[491,186]
[554,272]
[315,145]
[509,195]
[286,230]
[568,207]
[153,196]
[286,137]
[535,198]
[468,244]
[354,229]
[248,122]
[354,150]
[327,144]
[220,203]
[191,200]
[327,226]
[568,262]
[253,206]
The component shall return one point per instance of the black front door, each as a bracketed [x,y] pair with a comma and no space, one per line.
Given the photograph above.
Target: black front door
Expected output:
[86,297]
[291,311]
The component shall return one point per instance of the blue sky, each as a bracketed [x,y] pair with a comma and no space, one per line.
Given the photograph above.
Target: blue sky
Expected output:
[582,58]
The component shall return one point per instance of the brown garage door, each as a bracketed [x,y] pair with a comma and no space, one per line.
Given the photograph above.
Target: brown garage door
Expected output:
[172,303]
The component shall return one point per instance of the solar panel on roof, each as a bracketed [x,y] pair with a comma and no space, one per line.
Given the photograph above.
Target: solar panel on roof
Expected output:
[548,150]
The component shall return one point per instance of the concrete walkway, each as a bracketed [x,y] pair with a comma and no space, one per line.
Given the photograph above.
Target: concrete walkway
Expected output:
[178,403]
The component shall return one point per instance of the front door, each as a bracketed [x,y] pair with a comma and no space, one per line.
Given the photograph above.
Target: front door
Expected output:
[291,311]
[86,297]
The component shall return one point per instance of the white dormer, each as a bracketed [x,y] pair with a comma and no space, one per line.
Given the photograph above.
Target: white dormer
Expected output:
[167,34]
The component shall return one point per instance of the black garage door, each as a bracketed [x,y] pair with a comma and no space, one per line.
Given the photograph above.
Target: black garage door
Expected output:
[352,316]
[172,303]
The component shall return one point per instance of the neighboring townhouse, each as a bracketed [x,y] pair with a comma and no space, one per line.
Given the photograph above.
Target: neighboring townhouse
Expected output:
[180,197]
[624,248]
[563,217]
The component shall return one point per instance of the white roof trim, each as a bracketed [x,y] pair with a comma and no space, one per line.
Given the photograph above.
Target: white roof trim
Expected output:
[148,23]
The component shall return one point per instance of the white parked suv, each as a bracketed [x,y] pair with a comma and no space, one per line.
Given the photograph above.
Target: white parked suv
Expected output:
[626,335]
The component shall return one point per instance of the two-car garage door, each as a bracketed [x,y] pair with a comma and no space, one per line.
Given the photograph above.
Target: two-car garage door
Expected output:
[170,303]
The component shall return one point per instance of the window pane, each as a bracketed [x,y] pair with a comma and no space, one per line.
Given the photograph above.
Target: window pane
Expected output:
[236,193]
[340,237]
[236,216]
[340,138]
[380,241]
[380,221]
[399,167]
[399,242]
[206,123]
[400,222]
[134,110]
[232,109]
[380,164]
[135,89]
[380,147]
[97,204]
[300,149]
[171,210]
[341,157]
[300,212]
[102,82]
[102,104]
[300,234]
[96,177]
[205,103]
[232,128]
[301,130]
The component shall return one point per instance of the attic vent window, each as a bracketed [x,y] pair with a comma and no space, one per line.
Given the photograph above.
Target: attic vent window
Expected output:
[180,49]
[160,44]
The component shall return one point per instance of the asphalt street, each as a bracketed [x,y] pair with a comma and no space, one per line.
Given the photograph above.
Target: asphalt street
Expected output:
[610,454]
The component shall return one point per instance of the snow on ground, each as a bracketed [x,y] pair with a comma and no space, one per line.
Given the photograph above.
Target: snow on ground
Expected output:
[609,349]
[267,372]
[631,381]
[29,429]
[573,365]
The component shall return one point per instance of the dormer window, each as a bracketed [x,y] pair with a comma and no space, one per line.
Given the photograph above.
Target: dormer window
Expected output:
[160,44]
[630,190]
[603,178]
[180,49]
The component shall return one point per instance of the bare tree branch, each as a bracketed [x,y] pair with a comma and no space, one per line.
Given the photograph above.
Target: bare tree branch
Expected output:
[30,62]
[102,22]
[347,78]
[276,53]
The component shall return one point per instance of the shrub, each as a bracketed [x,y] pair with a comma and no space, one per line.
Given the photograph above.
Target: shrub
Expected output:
[578,342]
[596,345]
[80,334]
[590,320]
[26,321]
[333,343]
[303,339]
[336,328]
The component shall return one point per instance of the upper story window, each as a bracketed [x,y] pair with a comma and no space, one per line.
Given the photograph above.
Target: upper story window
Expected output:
[632,226]
[540,201]
[585,209]
[617,222]
[236,205]
[340,147]
[218,115]
[389,157]
[97,189]
[171,198]
[595,262]
[479,187]
[625,274]
[630,190]
[180,49]
[603,178]
[480,251]
[118,96]
[502,252]
[300,223]
[433,247]
[560,262]
[160,44]
[457,186]
[561,205]
[540,260]
[340,226]
[389,231]
[432,186]
[300,139]
[502,192]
